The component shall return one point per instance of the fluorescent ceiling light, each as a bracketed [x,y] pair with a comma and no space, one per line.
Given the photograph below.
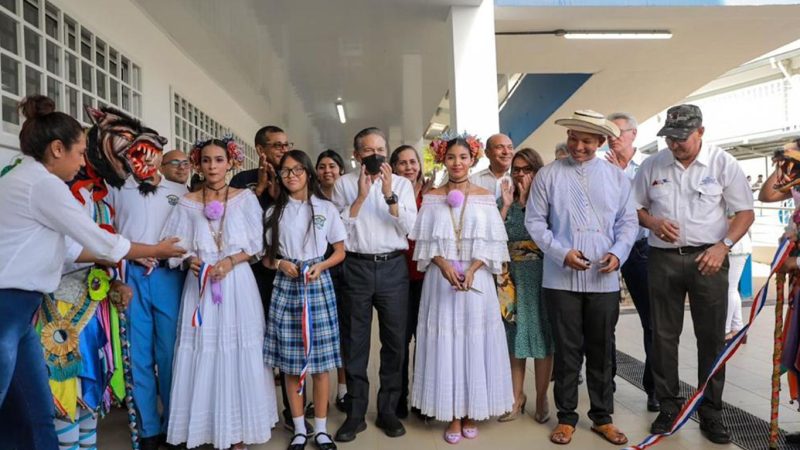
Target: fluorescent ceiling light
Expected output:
[340,111]
[655,34]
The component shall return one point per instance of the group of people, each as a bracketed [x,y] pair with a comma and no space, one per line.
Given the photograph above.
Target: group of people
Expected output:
[281,267]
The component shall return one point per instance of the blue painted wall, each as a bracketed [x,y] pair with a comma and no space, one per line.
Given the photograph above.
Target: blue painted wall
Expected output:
[642,2]
[534,100]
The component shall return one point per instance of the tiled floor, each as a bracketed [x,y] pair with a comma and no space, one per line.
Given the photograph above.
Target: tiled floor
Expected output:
[748,387]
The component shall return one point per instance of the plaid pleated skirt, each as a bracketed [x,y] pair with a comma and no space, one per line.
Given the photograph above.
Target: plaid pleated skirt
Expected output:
[283,344]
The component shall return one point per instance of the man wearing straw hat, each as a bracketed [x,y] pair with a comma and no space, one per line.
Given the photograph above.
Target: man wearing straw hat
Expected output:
[580,215]
[682,194]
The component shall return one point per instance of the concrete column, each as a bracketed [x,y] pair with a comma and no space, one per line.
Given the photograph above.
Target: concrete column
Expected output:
[413,120]
[473,81]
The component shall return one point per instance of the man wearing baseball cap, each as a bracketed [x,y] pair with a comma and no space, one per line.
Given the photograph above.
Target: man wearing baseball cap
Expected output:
[580,215]
[683,194]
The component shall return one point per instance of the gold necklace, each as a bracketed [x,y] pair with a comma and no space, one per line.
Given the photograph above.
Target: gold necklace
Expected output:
[459,228]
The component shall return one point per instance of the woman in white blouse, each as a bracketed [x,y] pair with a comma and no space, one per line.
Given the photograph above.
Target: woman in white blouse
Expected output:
[462,372]
[37,211]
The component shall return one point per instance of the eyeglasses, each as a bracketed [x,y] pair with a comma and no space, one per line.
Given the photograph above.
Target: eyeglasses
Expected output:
[523,170]
[175,163]
[280,145]
[296,171]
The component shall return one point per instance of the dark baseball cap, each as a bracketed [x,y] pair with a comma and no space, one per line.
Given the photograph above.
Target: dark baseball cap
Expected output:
[681,121]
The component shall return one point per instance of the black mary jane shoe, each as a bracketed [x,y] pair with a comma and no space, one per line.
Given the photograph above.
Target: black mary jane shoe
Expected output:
[324,445]
[298,446]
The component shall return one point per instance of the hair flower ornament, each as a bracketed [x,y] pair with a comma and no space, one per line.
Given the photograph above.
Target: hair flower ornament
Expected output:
[232,148]
[438,146]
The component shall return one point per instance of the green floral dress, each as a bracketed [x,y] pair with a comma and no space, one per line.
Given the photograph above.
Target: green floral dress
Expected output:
[529,334]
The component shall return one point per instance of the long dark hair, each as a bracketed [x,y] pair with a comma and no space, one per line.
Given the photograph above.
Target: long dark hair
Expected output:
[272,222]
[335,157]
[44,125]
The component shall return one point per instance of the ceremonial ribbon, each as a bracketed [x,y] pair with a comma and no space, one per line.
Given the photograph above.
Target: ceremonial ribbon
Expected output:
[306,328]
[785,247]
[202,279]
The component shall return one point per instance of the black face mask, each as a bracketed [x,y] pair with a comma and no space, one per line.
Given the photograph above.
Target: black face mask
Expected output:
[373,163]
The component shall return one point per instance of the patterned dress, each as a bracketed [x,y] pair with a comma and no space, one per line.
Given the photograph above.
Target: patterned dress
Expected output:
[529,335]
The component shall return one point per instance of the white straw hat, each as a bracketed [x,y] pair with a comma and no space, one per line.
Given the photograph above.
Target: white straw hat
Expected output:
[588,121]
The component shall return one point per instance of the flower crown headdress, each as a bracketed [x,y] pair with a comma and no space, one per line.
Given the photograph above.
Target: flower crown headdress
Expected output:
[438,146]
[235,153]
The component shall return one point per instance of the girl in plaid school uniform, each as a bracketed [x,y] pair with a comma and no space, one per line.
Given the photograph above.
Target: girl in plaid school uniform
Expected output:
[298,229]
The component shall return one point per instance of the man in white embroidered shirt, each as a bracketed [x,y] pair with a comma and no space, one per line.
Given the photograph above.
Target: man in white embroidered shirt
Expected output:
[580,215]
[682,194]
[378,210]
[500,152]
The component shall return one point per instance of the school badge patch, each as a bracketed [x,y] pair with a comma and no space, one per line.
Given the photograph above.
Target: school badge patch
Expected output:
[319,221]
[172,199]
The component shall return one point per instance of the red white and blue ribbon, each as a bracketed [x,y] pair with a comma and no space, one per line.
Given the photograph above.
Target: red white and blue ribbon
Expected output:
[785,247]
[203,276]
[122,270]
[306,329]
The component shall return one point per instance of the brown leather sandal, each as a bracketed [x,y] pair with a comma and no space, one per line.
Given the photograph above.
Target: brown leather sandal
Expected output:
[611,433]
[562,434]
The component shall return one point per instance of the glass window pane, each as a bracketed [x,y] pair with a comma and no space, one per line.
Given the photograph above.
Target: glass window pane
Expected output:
[137,105]
[87,101]
[126,99]
[51,21]
[125,68]
[113,91]
[10,74]
[8,33]
[52,58]
[71,62]
[86,76]
[100,53]
[136,81]
[112,62]
[10,5]
[54,91]
[33,81]
[30,11]
[72,102]
[10,113]
[86,44]
[33,45]
[70,33]
[101,83]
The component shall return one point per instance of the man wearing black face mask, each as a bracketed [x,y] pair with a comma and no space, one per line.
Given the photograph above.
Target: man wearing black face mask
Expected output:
[378,210]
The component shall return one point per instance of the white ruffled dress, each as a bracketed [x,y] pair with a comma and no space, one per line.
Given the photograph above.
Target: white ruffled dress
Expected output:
[222,393]
[462,366]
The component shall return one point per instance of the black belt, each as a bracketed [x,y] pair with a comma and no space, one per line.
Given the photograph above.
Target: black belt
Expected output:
[688,250]
[376,257]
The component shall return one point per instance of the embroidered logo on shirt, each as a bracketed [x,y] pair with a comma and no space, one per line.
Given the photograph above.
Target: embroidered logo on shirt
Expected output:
[319,221]
[708,180]
[172,199]
[660,182]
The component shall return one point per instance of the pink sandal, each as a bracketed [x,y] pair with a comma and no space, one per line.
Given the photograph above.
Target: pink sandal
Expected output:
[469,433]
[452,438]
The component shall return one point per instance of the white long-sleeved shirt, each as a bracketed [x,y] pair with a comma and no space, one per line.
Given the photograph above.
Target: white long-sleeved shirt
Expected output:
[36,211]
[374,230]
[583,206]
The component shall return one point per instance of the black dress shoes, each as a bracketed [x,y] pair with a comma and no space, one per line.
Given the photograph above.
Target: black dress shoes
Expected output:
[652,403]
[714,430]
[351,426]
[390,425]
[663,422]
[149,443]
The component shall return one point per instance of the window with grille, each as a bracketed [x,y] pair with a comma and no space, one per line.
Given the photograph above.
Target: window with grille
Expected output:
[45,51]
[190,124]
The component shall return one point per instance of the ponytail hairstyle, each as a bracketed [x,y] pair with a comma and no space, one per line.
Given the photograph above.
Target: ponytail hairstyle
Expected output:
[313,188]
[43,125]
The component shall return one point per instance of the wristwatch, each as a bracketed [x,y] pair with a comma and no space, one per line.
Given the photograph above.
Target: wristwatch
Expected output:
[391,200]
[728,243]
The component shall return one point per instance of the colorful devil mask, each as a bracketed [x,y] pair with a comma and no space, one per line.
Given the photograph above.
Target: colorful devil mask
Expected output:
[119,145]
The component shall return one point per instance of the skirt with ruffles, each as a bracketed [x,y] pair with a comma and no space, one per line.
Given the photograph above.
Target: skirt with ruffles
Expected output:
[462,366]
